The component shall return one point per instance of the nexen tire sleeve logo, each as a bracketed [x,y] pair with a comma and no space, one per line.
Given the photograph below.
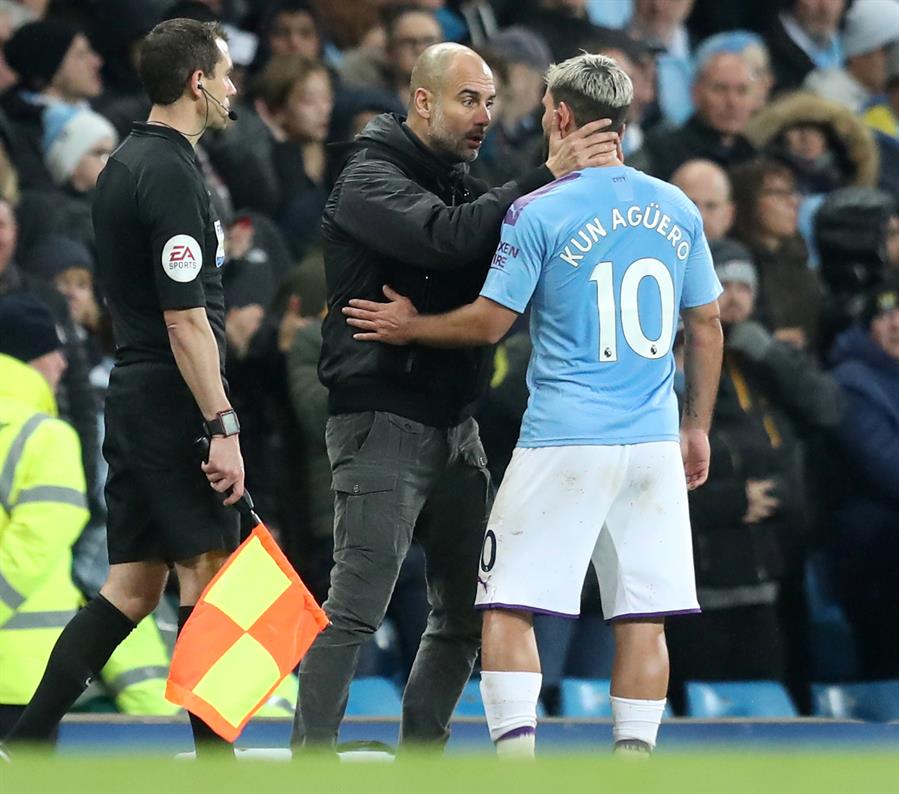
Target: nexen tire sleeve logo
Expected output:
[182,258]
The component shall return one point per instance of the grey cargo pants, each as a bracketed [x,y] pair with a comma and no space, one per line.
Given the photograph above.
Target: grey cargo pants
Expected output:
[395,478]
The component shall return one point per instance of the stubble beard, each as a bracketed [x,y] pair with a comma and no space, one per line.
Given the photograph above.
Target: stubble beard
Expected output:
[451,148]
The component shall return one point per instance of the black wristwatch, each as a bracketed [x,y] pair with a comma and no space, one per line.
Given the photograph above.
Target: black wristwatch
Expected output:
[224,424]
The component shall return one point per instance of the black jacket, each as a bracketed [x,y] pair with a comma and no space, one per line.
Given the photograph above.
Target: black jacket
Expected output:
[764,413]
[54,210]
[22,130]
[666,149]
[400,215]
[750,439]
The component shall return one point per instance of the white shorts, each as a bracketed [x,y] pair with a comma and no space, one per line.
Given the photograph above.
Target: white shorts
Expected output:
[558,508]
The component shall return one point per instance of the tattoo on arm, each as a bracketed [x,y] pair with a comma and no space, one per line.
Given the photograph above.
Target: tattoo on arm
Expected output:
[690,402]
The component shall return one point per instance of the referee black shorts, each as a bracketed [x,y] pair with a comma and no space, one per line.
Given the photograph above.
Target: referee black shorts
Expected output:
[160,505]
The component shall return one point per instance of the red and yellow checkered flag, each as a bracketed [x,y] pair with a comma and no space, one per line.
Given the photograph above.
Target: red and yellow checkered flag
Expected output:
[250,628]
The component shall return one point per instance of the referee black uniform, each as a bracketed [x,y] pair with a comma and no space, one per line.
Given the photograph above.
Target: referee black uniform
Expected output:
[160,246]
[160,249]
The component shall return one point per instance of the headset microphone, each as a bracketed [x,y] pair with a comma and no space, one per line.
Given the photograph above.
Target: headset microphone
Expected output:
[230,113]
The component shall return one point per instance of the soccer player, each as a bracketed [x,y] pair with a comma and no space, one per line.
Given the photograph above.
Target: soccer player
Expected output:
[605,257]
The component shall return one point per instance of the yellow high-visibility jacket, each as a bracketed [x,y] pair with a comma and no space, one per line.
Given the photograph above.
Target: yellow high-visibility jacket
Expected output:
[43,509]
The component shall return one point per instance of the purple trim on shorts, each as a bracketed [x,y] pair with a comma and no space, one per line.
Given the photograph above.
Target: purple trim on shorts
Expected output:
[655,614]
[524,608]
[525,730]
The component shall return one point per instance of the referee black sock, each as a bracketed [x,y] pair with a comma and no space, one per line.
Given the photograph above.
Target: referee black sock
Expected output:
[205,739]
[81,651]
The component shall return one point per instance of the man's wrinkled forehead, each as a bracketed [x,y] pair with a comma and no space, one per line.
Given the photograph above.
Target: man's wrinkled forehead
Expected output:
[467,75]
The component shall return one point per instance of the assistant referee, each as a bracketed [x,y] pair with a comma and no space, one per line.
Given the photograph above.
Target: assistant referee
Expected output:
[160,251]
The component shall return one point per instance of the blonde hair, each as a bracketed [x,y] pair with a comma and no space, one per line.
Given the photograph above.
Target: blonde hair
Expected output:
[593,86]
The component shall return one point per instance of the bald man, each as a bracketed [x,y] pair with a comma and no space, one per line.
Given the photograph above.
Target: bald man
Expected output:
[707,185]
[407,461]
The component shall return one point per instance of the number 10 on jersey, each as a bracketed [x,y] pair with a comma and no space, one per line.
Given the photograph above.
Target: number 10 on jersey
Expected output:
[626,304]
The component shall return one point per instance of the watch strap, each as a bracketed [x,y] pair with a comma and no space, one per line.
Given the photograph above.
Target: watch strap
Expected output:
[225,424]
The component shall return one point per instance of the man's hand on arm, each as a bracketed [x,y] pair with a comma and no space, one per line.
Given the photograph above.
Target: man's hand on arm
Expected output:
[197,356]
[397,322]
[702,368]
[588,146]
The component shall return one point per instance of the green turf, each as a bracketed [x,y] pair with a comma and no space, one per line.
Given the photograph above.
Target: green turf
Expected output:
[746,773]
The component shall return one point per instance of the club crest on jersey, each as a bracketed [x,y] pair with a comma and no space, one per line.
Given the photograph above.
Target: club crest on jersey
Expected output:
[182,258]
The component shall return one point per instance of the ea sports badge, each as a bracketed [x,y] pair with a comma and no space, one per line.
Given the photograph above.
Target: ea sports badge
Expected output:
[182,258]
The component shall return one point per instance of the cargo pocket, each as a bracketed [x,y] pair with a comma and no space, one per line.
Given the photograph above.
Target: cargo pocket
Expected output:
[475,457]
[364,508]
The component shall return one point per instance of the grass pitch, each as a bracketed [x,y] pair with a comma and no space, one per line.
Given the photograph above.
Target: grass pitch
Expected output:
[744,773]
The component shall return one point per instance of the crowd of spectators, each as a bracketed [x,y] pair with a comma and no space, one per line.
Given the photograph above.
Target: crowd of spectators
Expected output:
[778,118]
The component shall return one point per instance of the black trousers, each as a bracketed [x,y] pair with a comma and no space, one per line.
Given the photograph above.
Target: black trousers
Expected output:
[395,479]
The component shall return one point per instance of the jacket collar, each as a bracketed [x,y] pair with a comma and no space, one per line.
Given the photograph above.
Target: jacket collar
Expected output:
[390,134]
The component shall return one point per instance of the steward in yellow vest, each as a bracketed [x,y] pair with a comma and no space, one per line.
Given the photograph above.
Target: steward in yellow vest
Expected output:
[43,509]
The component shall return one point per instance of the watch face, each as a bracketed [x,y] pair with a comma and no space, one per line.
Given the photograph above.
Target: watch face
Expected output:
[230,424]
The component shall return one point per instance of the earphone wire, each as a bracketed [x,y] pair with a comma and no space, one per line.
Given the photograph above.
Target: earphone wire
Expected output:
[205,120]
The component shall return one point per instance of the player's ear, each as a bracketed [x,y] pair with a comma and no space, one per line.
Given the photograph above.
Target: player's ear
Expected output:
[566,118]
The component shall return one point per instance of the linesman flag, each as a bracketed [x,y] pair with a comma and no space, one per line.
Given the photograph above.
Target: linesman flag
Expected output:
[253,623]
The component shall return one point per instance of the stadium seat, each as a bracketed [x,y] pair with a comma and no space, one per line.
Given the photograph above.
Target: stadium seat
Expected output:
[589,698]
[586,697]
[470,704]
[373,697]
[713,699]
[876,701]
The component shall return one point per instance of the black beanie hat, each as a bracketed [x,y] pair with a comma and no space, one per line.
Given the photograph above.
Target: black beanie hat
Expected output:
[27,329]
[37,49]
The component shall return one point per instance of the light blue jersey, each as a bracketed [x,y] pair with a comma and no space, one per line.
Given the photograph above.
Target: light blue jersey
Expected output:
[607,258]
